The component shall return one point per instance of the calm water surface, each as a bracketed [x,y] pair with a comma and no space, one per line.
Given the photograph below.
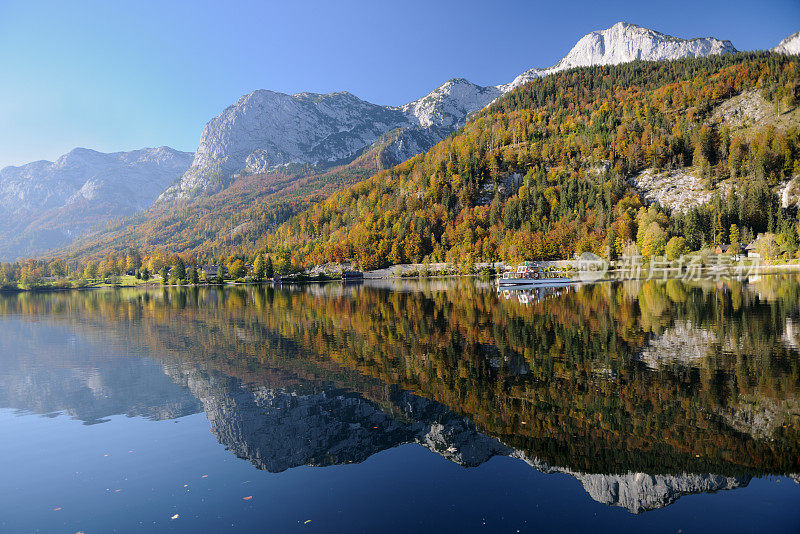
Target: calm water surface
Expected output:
[436,406]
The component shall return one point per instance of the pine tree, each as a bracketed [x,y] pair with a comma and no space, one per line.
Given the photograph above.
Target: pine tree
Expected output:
[258,267]
[194,277]
[179,270]
[269,270]
[735,239]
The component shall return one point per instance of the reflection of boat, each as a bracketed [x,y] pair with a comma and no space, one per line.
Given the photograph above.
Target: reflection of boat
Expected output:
[351,276]
[527,294]
[531,274]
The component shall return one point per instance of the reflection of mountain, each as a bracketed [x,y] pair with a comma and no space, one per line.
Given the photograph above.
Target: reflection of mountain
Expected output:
[758,417]
[640,492]
[682,343]
[46,369]
[277,428]
[791,333]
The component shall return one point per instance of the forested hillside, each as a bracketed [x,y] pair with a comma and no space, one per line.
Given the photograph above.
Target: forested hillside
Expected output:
[544,172]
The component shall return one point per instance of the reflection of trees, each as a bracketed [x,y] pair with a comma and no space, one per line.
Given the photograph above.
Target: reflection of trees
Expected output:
[562,379]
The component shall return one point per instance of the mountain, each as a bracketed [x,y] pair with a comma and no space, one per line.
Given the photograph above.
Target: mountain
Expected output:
[624,42]
[790,45]
[271,155]
[266,130]
[47,204]
[448,105]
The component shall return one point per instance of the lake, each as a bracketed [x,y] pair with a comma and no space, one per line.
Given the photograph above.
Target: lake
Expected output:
[403,406]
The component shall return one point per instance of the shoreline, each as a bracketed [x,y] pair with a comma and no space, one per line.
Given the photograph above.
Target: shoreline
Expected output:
[663,275]
[401,273]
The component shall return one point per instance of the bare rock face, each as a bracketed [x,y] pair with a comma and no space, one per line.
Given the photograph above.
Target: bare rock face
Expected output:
[622,43]
[449,105]
[265,129]
[790,45]
[678,190]
[751,109]
[129,179]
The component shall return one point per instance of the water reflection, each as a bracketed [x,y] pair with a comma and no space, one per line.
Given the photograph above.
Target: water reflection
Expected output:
[642,391]
[48,368]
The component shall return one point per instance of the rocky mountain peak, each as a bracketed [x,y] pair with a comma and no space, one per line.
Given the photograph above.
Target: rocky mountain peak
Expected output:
[790,45]
[624,42]
[449,104]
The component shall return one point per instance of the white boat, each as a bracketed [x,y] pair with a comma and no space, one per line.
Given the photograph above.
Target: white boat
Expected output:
[530,274]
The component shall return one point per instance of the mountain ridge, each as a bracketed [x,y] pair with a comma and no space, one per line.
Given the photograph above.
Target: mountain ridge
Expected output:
[45,204]
[429,118]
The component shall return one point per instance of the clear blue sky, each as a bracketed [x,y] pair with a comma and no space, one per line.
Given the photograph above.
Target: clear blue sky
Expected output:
[116,75]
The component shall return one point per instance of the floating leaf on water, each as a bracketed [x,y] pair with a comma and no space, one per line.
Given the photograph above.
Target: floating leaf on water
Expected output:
[247,498]
[204,476]
[307,521]
[176,516]
[57,509]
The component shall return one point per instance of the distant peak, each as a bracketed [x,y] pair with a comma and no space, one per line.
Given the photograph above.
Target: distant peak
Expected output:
[80,150]
[624,25]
